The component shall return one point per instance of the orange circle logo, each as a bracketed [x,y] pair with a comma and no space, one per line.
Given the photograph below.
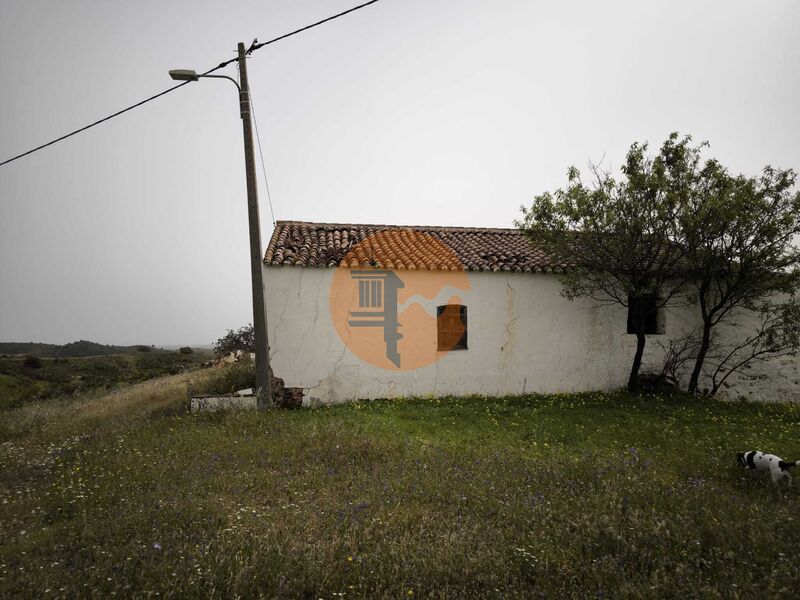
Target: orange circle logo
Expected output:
[395,300]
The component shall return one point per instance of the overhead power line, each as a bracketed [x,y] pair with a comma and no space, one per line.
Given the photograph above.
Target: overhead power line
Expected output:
[296,31]
[261,154]
[255,46]
[104,119]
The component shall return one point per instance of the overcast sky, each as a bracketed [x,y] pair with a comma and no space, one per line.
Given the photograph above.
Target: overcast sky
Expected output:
[435,112]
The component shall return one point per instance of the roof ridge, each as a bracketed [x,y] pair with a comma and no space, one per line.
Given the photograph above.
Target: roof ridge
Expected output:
[309,244]
[386,226]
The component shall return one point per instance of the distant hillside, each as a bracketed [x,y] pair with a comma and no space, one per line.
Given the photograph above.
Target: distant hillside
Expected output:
[71,350]
[25,378]
[86,348]
[27,348]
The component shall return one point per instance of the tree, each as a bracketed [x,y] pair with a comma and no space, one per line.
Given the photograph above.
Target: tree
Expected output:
[240,342]
[618,241]
[739,233]
[32,362]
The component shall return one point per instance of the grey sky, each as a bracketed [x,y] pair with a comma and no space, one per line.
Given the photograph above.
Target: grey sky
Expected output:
[440,112]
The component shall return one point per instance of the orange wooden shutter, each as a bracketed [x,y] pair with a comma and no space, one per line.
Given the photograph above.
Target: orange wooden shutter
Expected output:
[451,327]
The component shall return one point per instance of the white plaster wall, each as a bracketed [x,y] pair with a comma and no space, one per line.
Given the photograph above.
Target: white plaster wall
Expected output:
[523,337]
[215,403]
[776,379]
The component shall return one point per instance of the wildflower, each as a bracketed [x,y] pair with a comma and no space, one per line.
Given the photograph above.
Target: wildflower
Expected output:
[156,546]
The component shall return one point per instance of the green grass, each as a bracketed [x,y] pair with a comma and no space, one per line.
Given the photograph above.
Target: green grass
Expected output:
[559,496]
[68,376]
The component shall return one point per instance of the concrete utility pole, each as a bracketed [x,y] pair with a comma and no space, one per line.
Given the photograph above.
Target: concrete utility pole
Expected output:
[263,378]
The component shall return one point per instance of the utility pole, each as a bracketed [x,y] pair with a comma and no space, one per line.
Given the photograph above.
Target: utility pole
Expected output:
[263,378]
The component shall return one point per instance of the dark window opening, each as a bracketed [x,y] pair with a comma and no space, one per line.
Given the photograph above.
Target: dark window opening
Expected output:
[646,309]
[451,327]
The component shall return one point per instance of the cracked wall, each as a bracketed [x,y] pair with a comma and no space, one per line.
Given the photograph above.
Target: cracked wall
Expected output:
[524,337]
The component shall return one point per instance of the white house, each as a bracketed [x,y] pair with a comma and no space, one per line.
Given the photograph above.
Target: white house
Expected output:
[379,311]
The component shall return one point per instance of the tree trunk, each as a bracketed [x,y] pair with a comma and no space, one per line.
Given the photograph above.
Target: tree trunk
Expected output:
[633,380]
[701,356]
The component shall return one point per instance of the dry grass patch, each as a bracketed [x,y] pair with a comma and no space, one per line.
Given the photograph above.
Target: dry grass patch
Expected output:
[88,410]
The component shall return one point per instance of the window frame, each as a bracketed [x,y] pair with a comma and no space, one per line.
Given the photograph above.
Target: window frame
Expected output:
[442,342]
[654,316]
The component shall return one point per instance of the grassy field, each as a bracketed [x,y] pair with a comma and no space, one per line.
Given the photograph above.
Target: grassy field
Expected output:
[595,495]
[53,377]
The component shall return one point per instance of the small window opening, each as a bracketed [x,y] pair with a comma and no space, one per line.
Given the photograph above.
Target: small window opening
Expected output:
[645,308]
[451,327]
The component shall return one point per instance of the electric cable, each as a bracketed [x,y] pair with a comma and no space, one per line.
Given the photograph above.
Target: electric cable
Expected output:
[254,46]
[261,154]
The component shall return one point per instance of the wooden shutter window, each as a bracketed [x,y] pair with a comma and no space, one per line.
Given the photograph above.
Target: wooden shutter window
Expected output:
[451,327]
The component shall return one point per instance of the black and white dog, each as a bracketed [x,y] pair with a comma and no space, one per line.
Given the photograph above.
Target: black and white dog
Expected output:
[758,461]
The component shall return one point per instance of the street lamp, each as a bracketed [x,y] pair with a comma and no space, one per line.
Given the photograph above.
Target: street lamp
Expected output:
[189,75]
[183,75]
[263,377]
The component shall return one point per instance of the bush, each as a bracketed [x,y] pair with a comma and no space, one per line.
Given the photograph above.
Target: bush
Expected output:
[186,350]
[32,362]
[143,348]
[229,378]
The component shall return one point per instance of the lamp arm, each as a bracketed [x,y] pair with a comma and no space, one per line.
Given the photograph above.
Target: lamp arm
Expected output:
[231,79]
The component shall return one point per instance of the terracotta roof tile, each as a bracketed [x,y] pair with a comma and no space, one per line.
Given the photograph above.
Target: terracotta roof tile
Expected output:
[405,247]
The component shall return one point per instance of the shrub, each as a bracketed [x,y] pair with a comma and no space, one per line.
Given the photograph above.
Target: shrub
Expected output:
[186,350]
[32,362]
[229,378]
[143,348]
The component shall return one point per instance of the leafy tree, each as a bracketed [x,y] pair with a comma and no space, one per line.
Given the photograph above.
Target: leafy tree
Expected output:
[739,233]
[618,240]
[241,342]
[676,224]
